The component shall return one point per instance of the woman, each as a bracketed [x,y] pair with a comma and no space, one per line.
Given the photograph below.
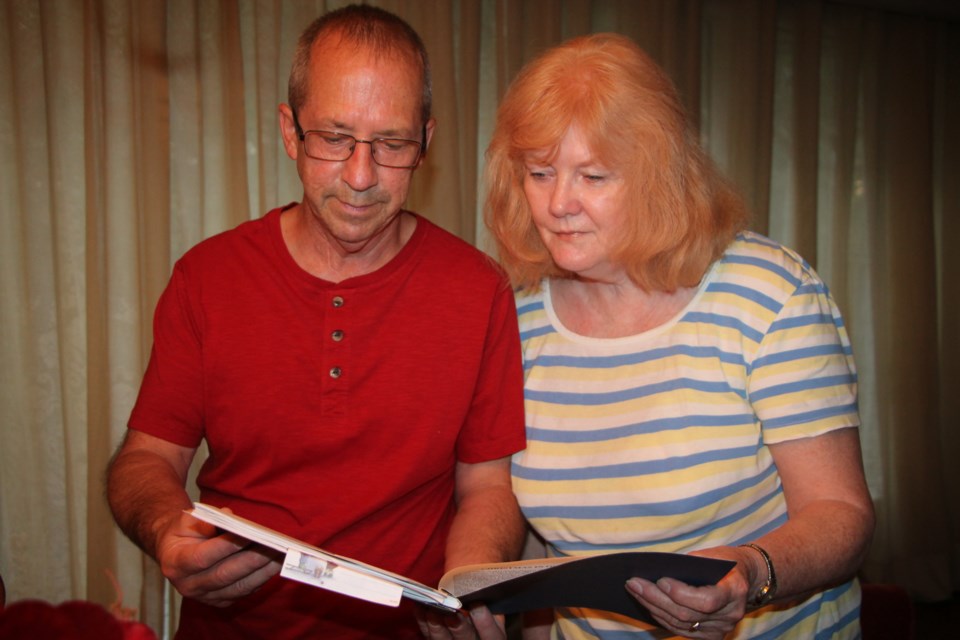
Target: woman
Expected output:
[690,386]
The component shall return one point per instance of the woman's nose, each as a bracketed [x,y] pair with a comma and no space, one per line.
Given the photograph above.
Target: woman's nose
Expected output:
[563,200]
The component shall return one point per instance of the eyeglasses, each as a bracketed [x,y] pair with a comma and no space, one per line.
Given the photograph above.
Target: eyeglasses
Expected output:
[333,146]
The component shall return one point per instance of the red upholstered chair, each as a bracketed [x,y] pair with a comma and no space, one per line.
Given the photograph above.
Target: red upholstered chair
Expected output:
[886,613]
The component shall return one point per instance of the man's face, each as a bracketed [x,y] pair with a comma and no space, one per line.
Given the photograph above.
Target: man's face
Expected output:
[355,92]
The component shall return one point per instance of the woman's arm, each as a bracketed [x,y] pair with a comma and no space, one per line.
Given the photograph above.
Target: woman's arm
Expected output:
[830,513]
[824,541]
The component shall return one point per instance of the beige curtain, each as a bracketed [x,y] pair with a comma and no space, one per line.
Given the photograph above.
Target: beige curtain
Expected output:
[129,131]
[878,151]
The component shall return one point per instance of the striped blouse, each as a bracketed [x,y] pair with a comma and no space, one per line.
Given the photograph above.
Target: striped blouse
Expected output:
[659,441]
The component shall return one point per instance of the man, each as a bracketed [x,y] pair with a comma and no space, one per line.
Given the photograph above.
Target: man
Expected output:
[353,369]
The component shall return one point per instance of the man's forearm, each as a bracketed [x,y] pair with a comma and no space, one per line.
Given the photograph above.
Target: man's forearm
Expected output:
[145,492]
[488,527]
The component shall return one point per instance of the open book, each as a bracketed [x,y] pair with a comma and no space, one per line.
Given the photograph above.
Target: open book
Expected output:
[594,582]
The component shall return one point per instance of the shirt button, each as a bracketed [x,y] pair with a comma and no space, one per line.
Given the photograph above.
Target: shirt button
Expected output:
[337,335]
[335,372]
[337,301]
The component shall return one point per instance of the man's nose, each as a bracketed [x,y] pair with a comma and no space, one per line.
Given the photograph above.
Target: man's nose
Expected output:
[360,170]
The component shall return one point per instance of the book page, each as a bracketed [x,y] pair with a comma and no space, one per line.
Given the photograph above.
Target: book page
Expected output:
[312,565]
[470,578]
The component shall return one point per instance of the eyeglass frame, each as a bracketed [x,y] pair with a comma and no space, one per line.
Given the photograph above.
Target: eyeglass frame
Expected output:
[302,135]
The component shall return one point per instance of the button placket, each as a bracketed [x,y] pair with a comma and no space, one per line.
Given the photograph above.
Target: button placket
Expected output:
[336,335]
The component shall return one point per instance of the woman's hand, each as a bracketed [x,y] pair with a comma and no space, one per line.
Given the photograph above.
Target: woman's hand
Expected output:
[822,543]
[699,612]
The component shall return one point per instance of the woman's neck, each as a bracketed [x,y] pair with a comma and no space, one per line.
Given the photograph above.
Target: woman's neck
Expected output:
[614,310]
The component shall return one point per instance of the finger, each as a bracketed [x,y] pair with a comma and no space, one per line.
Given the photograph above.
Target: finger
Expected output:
[460,627]
[695,626]
[185,557]
[709,630]
[422,623]
[720,605]
[677,598]
[686,628]
[434,624]
[190,526]
[487,625]
[192,546]
[241,565]
[241,587]
[661,607]
[707,598]
[235,576]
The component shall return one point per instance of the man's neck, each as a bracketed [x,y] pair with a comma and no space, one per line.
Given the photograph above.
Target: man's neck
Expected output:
[322,255]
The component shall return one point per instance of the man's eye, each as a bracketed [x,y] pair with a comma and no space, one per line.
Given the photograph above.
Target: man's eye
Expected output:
[335,140]
[392,145]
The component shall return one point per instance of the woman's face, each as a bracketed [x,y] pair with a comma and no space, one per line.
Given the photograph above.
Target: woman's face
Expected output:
[577,205]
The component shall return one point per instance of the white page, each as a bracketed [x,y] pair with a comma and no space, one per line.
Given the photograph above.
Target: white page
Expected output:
[336,573]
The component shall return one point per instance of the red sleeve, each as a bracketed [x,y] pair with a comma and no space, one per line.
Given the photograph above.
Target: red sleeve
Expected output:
[495,427]
[170,402]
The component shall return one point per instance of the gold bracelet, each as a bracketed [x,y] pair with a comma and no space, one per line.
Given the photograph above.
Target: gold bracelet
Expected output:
[769,588]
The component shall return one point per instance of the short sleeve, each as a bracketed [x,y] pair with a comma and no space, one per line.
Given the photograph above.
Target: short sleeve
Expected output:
[495,426]
[170,402]
[803,381]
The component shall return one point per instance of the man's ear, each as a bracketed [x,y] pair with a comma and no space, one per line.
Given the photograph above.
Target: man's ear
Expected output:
[288,131]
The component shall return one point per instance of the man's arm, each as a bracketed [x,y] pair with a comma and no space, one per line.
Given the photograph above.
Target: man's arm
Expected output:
[488,526]
[145,489]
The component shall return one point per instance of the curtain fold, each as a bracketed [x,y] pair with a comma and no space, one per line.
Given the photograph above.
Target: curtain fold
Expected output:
[130,131]
[946,135]
[898,98]
[124,164]
[736,113]
[42,349]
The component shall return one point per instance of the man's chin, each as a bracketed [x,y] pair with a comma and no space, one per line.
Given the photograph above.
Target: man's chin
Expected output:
[359,233]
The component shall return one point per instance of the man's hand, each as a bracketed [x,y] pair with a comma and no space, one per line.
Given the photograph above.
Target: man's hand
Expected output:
[145,483]
[213,569]
[480,624]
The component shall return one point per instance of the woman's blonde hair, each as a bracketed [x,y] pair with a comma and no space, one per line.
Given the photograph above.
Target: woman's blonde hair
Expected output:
[683,213]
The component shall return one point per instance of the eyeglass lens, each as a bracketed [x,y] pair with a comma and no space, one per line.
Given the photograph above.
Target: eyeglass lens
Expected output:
[333,146]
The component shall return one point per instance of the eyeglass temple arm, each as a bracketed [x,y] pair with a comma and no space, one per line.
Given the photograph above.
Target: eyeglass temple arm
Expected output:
[296,125]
